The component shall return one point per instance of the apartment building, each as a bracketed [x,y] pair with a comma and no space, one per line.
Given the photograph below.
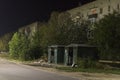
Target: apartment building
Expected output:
[95,10]
[30,29]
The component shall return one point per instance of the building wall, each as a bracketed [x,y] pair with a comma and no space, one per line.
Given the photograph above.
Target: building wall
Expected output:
[30,29]
[99,7]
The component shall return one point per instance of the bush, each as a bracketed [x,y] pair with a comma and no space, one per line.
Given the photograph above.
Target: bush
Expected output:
[14,45]
[107,37]
[21,48]
[87,63]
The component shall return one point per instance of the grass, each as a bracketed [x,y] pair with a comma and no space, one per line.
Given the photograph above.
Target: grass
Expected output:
[70,69]
[4,55]
[89,70]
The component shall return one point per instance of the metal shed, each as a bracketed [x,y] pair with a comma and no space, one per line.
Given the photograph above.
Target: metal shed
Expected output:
[56,54]
[75,51]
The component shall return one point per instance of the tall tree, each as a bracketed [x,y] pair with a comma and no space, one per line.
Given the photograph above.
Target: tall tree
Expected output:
[70,31]
[22,48]
[14,46]
[62,30]
[107,36]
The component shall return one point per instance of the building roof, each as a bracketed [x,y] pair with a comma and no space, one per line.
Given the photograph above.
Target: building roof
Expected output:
[82,7]
[80,45]
[57,46]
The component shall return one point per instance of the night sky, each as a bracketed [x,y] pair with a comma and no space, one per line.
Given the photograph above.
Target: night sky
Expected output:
[17,13]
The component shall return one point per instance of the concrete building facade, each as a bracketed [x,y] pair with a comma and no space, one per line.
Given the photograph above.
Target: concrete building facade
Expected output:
[95,10]
[30,29]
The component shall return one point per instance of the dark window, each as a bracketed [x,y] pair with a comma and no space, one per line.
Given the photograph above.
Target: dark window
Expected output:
[118,7]
[93,16]
[109,8]
[82,15]
[101,10]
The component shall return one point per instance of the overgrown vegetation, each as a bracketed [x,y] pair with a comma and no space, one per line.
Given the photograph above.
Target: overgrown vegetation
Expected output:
[62,30]
[107,37]
[22,49]
[4,55]
[4,42]
[87,63]
[90,70]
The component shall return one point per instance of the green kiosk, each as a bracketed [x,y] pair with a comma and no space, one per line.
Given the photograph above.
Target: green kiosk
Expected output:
[75,51]
[56,54]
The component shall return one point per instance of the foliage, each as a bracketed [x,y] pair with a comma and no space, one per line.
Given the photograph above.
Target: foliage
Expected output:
[107,36]
[35,47]
[4,55]
[89,70]
[68,32]
[61,30]
[4,41]
[14,46]
[22,49]
[87,63]
[19,46]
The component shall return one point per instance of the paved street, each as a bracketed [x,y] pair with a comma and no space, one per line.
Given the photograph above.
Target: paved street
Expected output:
[12,71]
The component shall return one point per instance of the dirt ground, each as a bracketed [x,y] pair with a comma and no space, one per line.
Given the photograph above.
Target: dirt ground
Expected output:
[84,76]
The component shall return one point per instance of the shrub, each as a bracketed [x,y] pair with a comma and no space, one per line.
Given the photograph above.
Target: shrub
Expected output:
[87,63]
[21,48]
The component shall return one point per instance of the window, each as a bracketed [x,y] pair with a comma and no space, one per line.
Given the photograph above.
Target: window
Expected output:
[101,10]
[92,20]
[109,8]
[93,16]
[118,7]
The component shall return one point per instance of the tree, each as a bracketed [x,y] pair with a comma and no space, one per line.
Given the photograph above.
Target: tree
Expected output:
[4,40]
[22,48]
[63,31]
[51,30]
[35,46]
[107,36]
[60,30]
[19,47]
[14,46]
[70,31]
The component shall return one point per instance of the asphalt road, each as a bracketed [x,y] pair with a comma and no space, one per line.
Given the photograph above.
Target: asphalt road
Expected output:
[12,71]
